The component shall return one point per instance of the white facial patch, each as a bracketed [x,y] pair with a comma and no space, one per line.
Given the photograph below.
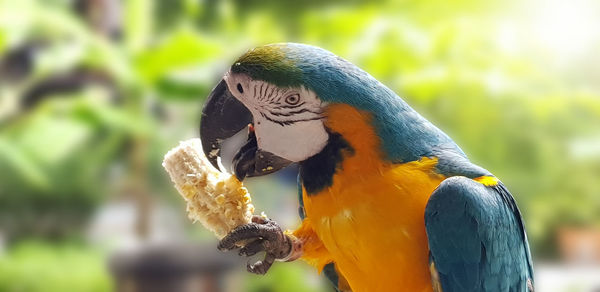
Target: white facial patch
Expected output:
[288,121]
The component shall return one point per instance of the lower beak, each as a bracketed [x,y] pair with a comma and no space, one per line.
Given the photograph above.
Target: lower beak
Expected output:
[222,117]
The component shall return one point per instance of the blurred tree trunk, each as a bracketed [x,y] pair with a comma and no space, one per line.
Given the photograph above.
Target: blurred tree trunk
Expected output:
[141,193]
[105,18]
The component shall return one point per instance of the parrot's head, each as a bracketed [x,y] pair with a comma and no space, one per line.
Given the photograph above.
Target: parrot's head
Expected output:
[280,93]
[264,92]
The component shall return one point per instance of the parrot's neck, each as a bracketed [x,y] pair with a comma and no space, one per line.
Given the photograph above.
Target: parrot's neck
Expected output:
[352,142]
[355,127]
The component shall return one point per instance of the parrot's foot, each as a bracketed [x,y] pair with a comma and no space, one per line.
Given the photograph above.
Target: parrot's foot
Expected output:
[261,235]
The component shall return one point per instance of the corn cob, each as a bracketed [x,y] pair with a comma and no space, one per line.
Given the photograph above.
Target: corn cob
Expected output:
[218,200]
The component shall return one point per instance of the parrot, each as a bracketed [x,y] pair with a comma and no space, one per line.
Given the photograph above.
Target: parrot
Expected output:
[388,201]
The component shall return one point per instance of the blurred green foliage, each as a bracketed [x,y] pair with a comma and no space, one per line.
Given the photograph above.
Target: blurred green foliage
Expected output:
[287,278]
[477,69]
[37,267]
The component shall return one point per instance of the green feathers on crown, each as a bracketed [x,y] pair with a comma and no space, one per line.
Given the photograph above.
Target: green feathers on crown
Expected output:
[270,63]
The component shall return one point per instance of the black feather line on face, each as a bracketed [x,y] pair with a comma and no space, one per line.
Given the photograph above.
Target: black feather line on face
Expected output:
[270,91]
[287,106]
[305,120]
[271,98]
[291,113]
[272,120]
[290,122]
[261,95]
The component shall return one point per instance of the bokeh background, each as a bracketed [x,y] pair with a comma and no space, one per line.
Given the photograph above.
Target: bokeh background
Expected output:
[94,92]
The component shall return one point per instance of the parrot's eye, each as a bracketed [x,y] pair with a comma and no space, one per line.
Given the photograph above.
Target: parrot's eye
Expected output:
[292,99]
[240,88]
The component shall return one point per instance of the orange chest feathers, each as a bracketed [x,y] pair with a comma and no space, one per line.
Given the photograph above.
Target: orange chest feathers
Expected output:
[371,219]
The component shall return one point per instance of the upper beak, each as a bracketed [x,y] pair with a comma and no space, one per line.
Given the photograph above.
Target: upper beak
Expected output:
[222,117]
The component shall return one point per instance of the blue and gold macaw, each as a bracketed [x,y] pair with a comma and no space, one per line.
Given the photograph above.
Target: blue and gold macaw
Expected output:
[388,201]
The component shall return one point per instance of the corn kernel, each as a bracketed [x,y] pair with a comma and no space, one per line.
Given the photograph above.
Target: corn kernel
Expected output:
[217,200]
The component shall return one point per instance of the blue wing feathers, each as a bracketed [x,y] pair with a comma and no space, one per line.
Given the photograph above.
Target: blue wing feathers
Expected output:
[476,237]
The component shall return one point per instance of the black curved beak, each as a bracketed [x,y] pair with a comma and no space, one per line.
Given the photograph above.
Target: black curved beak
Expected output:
[222,117]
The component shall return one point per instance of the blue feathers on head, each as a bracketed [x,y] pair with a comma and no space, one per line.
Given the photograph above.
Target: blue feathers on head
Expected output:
[405,135]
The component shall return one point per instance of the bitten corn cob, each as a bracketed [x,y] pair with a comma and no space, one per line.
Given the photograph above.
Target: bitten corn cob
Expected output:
[218,200]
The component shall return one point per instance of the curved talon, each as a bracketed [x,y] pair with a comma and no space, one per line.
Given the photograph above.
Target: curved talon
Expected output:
[262,234]
[261,267]
[247,232]
[252,248]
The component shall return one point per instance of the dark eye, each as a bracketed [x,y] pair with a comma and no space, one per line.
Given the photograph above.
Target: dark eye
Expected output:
[292,99]
[240,88]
